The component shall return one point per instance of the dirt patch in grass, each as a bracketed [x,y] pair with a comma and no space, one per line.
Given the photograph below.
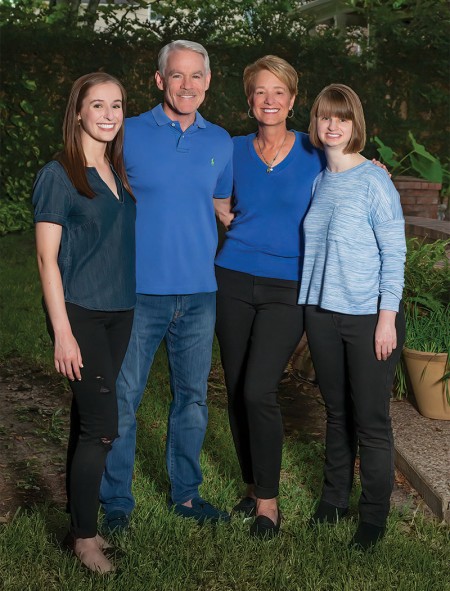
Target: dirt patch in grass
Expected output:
[34,419]
[34,409]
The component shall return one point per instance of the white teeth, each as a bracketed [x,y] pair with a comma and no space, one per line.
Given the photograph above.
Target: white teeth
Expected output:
[270,110]
[106,125]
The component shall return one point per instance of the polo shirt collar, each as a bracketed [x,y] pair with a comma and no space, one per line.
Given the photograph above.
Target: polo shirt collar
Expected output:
[162,119]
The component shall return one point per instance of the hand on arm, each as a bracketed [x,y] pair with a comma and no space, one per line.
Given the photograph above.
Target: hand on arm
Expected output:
[380,165]
[67,354]
[223,211]
[385,334]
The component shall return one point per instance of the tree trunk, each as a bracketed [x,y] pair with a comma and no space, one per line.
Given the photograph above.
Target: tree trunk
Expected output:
[91,12]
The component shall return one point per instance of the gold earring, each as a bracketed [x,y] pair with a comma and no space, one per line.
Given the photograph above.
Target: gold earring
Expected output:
[290,115]
[249,114]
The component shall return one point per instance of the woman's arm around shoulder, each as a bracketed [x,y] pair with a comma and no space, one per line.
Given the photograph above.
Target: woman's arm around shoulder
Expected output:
[67,355]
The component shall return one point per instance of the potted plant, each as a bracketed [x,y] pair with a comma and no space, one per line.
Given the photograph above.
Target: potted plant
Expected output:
[427,311]
[426,356]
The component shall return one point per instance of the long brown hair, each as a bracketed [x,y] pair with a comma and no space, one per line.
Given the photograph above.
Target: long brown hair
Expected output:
[72,155]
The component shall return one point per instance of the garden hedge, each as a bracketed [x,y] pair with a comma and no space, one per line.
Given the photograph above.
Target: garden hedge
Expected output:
[401,90]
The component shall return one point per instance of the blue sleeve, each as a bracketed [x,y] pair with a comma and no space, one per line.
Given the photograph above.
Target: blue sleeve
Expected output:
[389,230]
[224,186]
[51,197]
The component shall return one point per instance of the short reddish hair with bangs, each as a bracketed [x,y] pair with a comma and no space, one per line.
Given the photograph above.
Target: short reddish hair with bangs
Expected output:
[338,100]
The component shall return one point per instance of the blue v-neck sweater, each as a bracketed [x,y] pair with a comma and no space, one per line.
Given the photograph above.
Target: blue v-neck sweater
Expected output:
[266,235]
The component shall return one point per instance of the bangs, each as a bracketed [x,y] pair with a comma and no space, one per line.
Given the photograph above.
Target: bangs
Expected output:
[334,104]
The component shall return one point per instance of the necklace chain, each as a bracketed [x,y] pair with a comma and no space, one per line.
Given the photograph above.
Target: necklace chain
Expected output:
[269,168]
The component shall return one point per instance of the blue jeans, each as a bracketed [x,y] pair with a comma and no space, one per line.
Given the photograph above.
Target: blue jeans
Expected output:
[186,323]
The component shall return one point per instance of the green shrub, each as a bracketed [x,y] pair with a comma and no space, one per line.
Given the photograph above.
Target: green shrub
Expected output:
[15,216]
[400,74]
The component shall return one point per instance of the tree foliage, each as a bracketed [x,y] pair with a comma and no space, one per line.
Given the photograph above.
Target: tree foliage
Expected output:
[400,72]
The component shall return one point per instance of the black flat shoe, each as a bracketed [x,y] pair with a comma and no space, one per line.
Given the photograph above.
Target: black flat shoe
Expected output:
[327,513]
[246,506]
[366,536]
[263,527]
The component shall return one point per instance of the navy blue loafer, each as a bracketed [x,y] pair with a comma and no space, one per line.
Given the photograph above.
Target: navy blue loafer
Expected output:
[201,511]
[115,522]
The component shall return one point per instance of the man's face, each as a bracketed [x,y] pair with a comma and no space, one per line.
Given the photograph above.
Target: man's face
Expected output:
[184,83]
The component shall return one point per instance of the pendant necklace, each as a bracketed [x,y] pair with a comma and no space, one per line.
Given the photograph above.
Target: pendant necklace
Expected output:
[269,168]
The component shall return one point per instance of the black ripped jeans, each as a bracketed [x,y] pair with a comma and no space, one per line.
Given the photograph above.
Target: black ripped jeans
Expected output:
[103,340]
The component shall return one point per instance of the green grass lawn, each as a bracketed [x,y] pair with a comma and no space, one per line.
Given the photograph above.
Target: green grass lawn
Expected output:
[165,553]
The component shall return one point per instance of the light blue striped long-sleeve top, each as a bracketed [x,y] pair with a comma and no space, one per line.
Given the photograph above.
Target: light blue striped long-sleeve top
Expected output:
[354,242]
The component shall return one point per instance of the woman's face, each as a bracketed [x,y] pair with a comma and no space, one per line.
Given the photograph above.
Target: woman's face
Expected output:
[270,100]
[101,114]
[334,132]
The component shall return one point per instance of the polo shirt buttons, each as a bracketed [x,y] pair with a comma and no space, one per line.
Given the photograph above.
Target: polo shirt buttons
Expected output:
[172,124]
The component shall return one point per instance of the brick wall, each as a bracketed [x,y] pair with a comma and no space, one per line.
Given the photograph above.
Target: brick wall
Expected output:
[418,197]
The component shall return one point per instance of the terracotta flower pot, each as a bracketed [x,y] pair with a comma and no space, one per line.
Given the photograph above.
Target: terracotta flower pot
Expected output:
[425,372]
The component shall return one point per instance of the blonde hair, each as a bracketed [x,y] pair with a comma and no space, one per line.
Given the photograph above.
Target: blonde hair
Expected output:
[276,66]
[338,100]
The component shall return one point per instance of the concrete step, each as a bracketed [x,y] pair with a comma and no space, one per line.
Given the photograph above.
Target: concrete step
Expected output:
[422,454]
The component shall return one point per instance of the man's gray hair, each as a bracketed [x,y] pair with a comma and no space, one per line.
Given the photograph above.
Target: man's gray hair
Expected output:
[181,44]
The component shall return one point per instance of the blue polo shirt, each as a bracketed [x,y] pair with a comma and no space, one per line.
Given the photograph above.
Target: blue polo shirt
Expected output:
[174,175]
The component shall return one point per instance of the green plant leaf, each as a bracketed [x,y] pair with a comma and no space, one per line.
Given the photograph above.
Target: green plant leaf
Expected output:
[428,166]
[17,120]
[387,154]
[29,84]
[430,170]
[27,107]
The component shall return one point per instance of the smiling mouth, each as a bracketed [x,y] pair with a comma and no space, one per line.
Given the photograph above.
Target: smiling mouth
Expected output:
[106,126]
[273,111]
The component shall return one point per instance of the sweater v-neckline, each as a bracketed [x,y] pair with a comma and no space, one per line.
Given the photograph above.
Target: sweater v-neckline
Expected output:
[277,167]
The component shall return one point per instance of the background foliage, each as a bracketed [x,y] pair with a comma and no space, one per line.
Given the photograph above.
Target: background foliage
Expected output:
[399,71]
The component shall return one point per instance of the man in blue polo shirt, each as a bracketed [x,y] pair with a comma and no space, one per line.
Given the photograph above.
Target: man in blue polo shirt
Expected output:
[176,164]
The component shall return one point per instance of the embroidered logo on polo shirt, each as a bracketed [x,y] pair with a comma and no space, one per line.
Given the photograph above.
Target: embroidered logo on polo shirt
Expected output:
[212,162]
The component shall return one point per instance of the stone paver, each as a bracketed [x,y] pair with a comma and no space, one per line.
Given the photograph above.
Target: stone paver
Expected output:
[422,449]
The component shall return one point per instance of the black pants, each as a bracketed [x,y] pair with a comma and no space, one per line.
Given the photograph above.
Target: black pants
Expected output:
[356,388]
[258,326]
[103,339]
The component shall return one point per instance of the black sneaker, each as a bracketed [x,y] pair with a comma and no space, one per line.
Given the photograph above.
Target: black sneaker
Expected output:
[327,513]
[366,536]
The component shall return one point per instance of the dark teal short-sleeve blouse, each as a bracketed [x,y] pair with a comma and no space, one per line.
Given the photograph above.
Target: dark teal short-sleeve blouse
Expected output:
[97,252]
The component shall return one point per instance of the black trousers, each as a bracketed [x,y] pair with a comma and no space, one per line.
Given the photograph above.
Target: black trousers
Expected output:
[356,388]
[103,339]
[258,326]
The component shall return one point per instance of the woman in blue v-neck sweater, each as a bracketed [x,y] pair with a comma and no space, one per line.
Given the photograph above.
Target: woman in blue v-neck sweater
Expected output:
[258,268]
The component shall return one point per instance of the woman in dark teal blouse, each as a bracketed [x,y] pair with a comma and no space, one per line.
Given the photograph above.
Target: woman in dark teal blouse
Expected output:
[85,215]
